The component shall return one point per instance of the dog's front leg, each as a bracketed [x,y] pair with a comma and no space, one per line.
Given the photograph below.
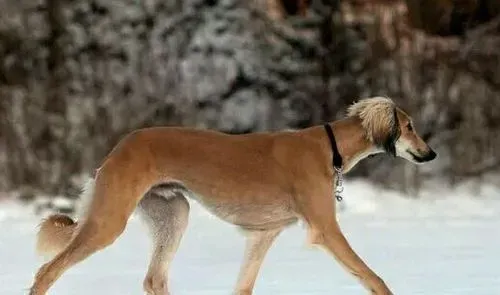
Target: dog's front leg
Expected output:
[334,242]
[318,212]
[257,245]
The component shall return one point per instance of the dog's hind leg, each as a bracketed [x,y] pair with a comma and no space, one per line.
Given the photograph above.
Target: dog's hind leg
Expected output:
[257,244]
[166,218]
[106,220]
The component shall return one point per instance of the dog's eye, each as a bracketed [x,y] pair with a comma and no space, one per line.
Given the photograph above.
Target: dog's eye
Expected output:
[409,127]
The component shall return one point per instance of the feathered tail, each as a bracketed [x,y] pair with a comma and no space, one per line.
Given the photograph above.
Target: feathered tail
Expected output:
[55,233]
[57,230]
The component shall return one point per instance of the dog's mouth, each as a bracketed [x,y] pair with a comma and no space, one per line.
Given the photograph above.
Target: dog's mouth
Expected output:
[431,155]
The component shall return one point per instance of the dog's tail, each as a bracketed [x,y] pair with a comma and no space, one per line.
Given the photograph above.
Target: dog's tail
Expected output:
[55,233]
[57,230]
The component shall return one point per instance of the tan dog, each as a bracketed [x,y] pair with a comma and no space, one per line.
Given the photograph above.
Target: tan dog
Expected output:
[260,182]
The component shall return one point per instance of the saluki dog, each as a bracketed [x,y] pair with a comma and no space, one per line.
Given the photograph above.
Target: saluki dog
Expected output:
[260,182]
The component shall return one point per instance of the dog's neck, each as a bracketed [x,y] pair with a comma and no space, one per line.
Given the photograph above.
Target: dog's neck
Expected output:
[352,142]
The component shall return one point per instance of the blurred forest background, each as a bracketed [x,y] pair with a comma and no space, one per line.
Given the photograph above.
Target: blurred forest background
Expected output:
[76,75]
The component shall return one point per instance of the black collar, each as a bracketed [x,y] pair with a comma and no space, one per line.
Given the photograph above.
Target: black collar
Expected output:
[337,158]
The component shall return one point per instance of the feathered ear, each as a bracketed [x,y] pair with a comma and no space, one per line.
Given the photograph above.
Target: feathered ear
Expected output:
[378,117]
[393,135]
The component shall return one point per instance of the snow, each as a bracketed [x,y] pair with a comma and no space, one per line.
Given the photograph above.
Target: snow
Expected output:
[445,242]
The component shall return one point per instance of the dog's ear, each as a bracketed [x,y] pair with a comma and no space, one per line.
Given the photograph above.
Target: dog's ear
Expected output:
[379,119]
[391,135]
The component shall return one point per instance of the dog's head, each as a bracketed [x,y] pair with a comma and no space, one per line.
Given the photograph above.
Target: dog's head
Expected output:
[388,127]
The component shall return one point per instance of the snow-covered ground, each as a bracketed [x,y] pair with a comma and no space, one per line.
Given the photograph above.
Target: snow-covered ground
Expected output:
[444,243]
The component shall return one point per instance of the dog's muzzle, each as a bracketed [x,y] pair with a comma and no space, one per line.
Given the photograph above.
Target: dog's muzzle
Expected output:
[429,156]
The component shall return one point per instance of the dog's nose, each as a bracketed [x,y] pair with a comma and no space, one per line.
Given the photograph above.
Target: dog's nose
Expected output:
[430,156]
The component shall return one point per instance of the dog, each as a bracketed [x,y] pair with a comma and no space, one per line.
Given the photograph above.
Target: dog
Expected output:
[260,182]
